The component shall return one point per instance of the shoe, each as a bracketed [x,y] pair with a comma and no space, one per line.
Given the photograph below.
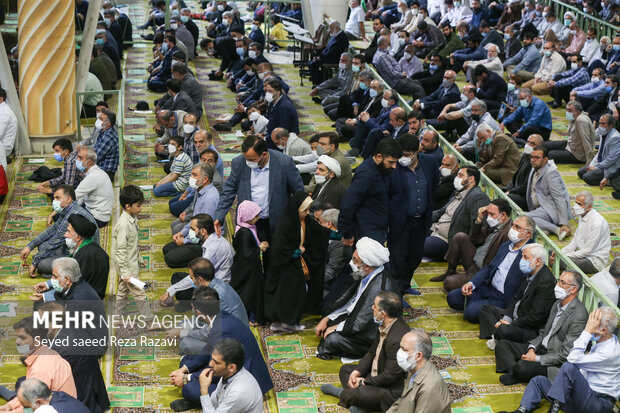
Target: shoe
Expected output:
[555,105]
[222,127]
[331,390]
[491,344]
[354,152]
[521,409]
[181,405]
[439,278]
[316,99]
[147,36]
[508,379]
[555,407]
[616,194]
[412,291]
[406,304]
[276,326]
[323,356]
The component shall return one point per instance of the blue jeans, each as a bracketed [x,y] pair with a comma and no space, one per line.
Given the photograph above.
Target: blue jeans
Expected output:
[178,207]
[166,189]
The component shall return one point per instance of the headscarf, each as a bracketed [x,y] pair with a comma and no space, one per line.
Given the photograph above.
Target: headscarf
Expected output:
[247,211]
[371,252]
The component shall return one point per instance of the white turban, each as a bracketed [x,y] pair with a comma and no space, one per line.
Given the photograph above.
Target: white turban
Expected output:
[569,14]
[46,409]
[331,164]
[371,252]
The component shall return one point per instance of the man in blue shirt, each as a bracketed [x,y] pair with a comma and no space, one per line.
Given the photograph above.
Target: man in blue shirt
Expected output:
[535,115]
[527,61]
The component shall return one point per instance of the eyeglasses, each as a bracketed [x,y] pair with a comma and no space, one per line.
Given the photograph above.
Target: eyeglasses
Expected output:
[564,283]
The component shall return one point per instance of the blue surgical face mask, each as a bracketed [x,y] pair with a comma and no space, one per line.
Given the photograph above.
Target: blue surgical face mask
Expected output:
[56,206]
[191,236]
[240,51]
[193,284]
[524,266]
[79,165]
[377,321]
[484,34]
[58,157]
[507,36]
[100,42]
[373,93]
[184,19]
[608,89]
[616,47]
[56,285]
[164,47]
[432,68]
[363,86]
[523,103]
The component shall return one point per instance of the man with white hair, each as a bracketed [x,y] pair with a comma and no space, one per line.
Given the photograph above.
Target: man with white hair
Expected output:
[329,190]
[338,254]
[424,389]
[466,144]
[348,328]
[497,153]
[589,381]
[529,308]
[332,89]
[589,249]
[492,63]
[95,192]
[33,394]
[337,44]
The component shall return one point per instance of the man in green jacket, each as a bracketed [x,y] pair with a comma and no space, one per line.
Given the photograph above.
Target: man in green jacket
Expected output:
[451,43]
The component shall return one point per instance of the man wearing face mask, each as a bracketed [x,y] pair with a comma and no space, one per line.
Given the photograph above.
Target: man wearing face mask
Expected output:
[353,103]
[169,124]
[448,169]
[527,61]
[410,209]
[589,249]
[448,92]
[552,63]
[587,94]
[106,146]
[476,249]
[63,151]
[562,83]
[606,164]
[544,355]
[534,114]
[184,35]
[498,155]
[456,116]
[338,255]
[385,64]
[224,47]
[365,123]
[280,110]
[348,328]
[329,190]
[364,208]
[36,396]
[529,309]
[516,189]
[161,73]
[579,148]
[398,127]
[327,145]
[376,381]
[95,192]
[497,283]
[51,242]
[424,388]
[205,200]
[457,215]
[467,143]
[329,91]
[337,44]
[588,381]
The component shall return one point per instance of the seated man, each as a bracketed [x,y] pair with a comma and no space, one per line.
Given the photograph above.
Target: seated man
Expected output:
[587,94]
[432,104]
[456,116]
[492,62]
[328,190]
[386,65]
[607,102]
[348,328]
[177,180]
[590,247]
[180,99]
[329,91]
[205,200]
[376,381]
[338,43]
[95,192]
[424,387]
[161,73]
[529,309]
[476,249]
[426,38]
[370,102]
[544,355]
[289,143]
[366,123]
[606,164]
[33,392]
[349,105]
[527,61]
[63,151]
[426,82]
[451,42]
[491,87]
[338,254]
[106,146]
[516,189]
[535,116]
[579,147]
[562,83]
[551,64]
[588,381]
[51,242]
[546,196]
[608,281]
[457,215]
[448,169]
[169,123]
[498,154]
[497,283]
[467,143]
[397,127]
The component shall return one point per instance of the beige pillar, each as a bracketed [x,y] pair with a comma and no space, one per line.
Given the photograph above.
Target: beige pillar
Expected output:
[47,67]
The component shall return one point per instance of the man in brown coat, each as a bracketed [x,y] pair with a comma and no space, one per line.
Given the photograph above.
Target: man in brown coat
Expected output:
[476,249]
[499,155]
[424,389]
[377,381]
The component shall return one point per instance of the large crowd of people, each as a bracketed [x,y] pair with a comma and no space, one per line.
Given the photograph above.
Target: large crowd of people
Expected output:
[313,236]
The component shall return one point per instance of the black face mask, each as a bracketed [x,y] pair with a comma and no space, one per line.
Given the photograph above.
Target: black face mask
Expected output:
[475,118]
[383,170]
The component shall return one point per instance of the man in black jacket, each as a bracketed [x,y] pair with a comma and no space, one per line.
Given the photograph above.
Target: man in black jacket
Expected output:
[529,309]
[377,381]
[426,81]
[516,189]
[377,25]
[224,47]
[448,169]
[348,328]
[491,88]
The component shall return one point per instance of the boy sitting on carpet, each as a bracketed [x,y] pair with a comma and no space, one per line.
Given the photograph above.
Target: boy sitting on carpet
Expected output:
[177,180]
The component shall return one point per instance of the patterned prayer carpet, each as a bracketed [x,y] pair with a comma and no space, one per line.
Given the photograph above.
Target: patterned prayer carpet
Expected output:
[140,383]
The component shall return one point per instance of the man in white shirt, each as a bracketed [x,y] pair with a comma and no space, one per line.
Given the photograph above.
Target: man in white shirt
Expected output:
[590,47]
[237,391]
[456,12]
[589,381]
[354,27]
[589,249]
[492,62]
[8,129]
[551,64]
[95,192]
[608,280]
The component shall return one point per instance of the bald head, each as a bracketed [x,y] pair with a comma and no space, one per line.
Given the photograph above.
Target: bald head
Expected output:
[535,140]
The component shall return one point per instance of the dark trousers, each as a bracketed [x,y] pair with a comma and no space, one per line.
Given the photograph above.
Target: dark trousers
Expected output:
[316,73]
[593,177]
[470,306]
[368,397]
[519,200]
[183,295]
[338,345]
[410,87]
[435,248]
[584,264]
[346,132]
[177,207]
[372,140]
[359,139]
[490,315]
[406,251]
[569,388]
[111,175]
[558,152]
[469,153]
[263,230]
[179,256]
[561,93]
[508,360]
[530,130]
[460,251]
[155,84]
[101,224]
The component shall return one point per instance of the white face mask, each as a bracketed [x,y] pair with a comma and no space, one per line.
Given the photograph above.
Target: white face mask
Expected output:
[560,293]
[513,235]
[405,161]
[24,349]
[342,66]
[594,79]
[252,54]
[493,222]
[385,103]
[193,182]
[578,210]
[98,124]
[187,128]
[445,172]
[458,183]
[527,149]
[402,359]
[463,98]
[319,179]
[171,148]
[269,97]
[281,147]
[249,72]
[253,116]
[251,165]
[574,65]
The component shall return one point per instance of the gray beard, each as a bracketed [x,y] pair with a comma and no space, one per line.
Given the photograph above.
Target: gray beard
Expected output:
[358,275]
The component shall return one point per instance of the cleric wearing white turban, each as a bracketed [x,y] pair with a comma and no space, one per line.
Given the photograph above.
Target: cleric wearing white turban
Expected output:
[371,252]
[331,164]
